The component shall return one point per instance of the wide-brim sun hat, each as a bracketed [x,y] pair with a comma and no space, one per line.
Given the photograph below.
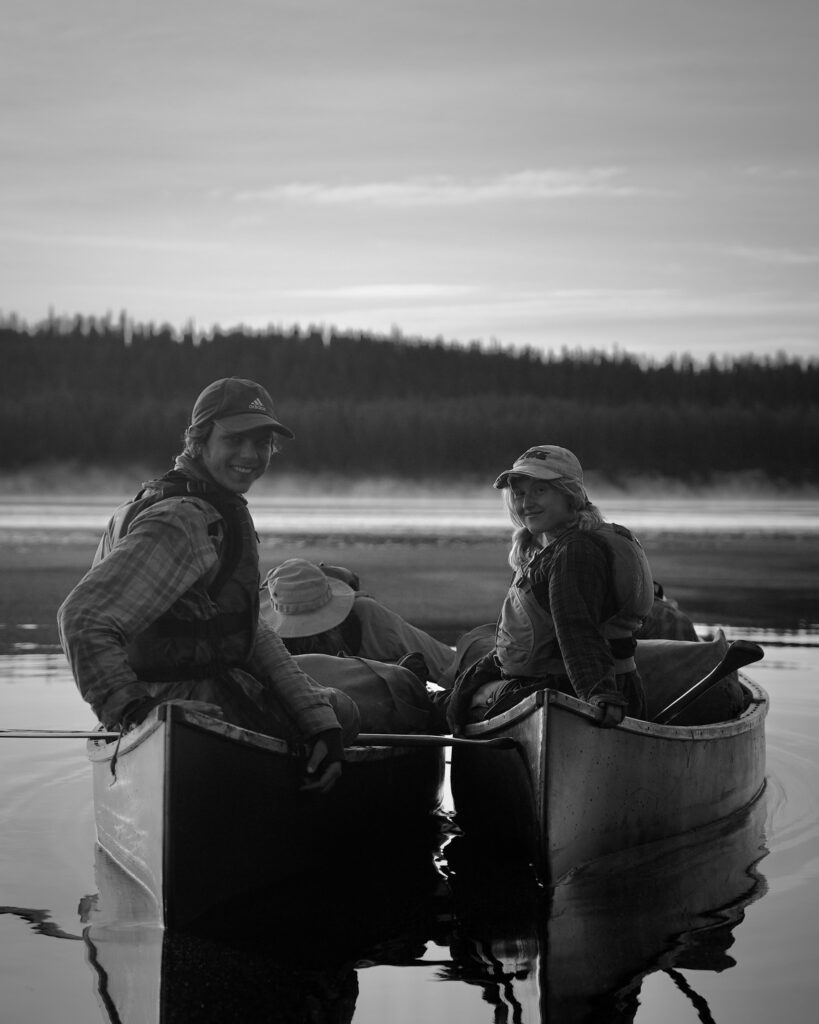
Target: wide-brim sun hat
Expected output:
[239,405]
[303,601]
[544,462]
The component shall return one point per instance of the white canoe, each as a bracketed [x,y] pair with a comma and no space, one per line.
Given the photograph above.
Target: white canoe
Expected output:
[569,792]
[202,813]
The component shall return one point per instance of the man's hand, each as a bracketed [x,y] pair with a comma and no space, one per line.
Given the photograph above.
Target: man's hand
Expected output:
[322,775]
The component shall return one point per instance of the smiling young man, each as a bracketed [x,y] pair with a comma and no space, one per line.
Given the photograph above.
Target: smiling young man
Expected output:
[170,608]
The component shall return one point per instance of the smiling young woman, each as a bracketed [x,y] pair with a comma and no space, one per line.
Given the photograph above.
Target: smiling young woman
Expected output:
[582,587]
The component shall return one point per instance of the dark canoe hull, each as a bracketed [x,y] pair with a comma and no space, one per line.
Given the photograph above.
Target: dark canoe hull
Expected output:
[570,792]
[203,813]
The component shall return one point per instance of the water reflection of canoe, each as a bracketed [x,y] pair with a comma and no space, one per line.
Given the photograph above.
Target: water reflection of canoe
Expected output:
[299,962]
[569,792]
[200,811]
[580,951]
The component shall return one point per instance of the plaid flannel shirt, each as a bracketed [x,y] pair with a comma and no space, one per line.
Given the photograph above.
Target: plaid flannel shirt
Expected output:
[166,560]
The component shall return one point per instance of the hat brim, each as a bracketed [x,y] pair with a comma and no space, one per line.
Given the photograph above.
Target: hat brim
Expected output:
[536,474]
[310,623]
[251,420]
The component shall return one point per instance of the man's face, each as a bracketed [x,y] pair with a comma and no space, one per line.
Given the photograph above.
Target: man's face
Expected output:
[236,460]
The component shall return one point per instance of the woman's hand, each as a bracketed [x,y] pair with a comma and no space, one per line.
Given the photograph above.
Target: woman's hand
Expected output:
[613,715]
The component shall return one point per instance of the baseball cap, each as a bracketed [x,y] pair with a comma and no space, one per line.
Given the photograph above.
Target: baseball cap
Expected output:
[244,403]
[544,462]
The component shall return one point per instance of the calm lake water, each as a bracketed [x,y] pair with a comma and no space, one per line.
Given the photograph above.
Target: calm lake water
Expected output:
[723,926]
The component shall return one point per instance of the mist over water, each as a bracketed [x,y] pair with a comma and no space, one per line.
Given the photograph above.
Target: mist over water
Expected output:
[444,515]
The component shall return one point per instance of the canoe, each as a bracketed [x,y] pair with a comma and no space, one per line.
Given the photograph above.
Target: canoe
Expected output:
[568,792]
[203,813]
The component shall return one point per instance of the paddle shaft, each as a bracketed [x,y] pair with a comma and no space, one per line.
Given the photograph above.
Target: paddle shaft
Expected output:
[388,739]
[365,739]
[56,734]
[739,653]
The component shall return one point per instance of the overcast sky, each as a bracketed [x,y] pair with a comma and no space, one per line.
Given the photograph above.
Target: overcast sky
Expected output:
[633,173]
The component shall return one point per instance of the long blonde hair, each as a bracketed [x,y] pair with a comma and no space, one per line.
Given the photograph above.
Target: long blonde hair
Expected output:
[526,545]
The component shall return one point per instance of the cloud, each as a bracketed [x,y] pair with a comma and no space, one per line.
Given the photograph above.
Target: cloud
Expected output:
[777,173]
[445,190]
[120,241]
[571,306]
[778,257]
[382,292]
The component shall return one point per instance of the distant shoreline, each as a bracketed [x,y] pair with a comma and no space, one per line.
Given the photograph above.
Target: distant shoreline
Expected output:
[448,587]
[59,479]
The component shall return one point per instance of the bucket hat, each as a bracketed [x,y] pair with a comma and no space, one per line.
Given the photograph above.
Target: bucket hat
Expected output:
[303,601]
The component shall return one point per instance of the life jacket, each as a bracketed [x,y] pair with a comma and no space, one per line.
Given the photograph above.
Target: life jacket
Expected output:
[525,640]
[178,645]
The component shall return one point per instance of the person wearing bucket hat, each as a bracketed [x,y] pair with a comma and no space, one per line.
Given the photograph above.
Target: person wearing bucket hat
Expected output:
[169,610]
[315,612]
[581,589]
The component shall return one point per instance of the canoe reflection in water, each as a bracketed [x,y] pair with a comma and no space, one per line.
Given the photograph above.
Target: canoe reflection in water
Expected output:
[579,952]
[289,956]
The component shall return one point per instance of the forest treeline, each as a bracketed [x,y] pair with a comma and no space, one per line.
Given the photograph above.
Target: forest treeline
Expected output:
[104,392]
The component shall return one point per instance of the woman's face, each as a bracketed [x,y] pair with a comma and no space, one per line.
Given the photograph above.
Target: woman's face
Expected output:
[541,507]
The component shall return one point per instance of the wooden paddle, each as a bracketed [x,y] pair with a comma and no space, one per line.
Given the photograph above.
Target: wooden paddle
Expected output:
[739,653]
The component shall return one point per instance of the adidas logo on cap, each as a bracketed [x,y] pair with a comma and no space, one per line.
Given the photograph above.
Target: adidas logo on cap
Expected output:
[257,403]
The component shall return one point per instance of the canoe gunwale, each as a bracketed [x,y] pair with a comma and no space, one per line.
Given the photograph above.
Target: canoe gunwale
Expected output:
[757,708]
[105,750]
